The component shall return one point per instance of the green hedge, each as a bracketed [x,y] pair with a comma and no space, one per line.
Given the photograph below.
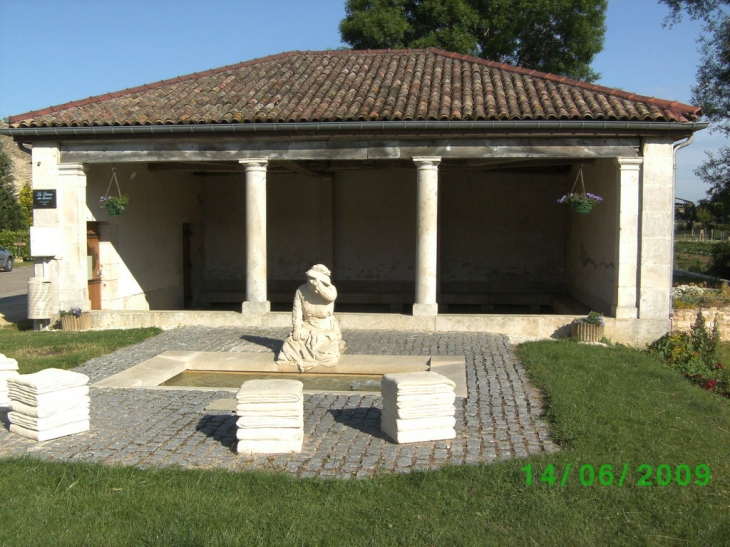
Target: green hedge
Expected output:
[703,248]
[8,238]
[721,260]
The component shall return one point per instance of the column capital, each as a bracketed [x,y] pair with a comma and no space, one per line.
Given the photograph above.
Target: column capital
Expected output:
[254,163]
[427,162]
[71,167]
[629,164]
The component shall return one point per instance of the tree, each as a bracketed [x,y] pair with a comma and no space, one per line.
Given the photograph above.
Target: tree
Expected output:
[556,36]
[712,92]
[705,217]
[11,215]
[25,198]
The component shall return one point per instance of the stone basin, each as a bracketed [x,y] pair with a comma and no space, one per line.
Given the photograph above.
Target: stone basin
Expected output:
[151,374]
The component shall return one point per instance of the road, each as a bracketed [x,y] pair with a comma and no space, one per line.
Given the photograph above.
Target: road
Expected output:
[14,294]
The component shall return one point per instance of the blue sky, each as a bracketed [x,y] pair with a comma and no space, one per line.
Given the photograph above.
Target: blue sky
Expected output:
[55,51]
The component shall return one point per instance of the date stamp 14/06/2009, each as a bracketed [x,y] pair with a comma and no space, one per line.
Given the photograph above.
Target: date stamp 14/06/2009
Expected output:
[608,475]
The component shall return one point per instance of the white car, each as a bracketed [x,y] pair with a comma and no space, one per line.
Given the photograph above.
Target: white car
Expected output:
[6,259]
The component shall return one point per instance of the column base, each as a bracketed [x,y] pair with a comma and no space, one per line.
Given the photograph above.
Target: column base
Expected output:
[256,308]
[425,309]
[625,312]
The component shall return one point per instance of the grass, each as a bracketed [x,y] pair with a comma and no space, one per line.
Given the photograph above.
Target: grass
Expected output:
[605,405]
[693,256]
[693,263]
[36,350]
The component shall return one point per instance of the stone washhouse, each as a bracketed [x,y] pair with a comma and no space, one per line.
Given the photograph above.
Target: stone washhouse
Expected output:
[427,181]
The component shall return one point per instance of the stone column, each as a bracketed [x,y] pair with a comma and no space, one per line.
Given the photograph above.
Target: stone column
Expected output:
[628,247]
[256,273]
[427,236]
[657,227]
[58,236]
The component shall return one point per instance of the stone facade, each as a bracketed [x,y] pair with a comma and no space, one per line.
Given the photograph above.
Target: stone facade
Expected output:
[495,244]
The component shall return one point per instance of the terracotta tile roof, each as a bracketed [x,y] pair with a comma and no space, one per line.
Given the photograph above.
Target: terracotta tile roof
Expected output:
[330,86]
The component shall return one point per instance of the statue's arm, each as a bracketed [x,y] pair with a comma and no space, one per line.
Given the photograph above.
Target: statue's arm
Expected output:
[296,312]
[328,292]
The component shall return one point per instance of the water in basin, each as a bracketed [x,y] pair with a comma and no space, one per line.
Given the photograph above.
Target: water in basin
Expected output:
[312,382]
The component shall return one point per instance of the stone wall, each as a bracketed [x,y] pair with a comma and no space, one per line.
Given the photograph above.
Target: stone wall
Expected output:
[592,239]
[502,233]
[141,251]
[21,161]
[682,319]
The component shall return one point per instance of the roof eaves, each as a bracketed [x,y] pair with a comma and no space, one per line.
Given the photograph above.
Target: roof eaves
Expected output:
[552,125]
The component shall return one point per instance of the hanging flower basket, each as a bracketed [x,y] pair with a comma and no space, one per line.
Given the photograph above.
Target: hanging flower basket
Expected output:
[582,208]
[114,205]
[580,202]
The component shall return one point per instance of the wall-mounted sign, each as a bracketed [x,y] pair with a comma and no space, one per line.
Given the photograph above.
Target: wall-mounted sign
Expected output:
[44,199]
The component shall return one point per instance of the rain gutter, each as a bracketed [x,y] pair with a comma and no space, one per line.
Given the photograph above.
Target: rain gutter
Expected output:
[678,146]
[263,127]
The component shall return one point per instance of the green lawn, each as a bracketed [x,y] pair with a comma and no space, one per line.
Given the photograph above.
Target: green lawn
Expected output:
[36,350]
[606,406]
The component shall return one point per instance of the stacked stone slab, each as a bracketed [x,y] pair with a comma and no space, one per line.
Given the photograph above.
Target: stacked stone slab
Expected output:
[417,407]
[271,417]
[8,369]
[49,404]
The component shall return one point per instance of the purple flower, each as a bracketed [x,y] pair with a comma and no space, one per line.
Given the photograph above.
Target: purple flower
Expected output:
[575,197]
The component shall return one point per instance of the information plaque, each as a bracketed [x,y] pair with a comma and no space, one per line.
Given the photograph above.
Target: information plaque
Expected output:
[44,199]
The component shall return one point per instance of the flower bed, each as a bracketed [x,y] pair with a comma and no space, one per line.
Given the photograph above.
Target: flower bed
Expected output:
[695,354]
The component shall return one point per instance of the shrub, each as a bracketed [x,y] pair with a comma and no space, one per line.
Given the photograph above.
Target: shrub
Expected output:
[8,238]
[721,260]
[703,248]
[11,214]
[593,318]
[694,354]
[25,199]
[691,296]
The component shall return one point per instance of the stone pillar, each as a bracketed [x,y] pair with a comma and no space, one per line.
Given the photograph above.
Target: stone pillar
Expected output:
[256,272]
[58,235]
[427,236]
[627,260]
[657,227]
[73,216]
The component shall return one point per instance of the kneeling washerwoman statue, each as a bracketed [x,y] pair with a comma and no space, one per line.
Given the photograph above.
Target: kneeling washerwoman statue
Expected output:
[316,338]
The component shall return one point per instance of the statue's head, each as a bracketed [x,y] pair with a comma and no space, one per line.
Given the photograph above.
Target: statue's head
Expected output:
[321,272]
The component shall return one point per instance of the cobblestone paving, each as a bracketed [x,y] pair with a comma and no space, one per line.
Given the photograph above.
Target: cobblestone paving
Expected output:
[152,427]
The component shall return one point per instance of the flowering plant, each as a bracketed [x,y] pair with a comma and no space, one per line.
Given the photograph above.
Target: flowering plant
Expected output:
[114,205]
[593,318]
[576,197]
[76,312]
